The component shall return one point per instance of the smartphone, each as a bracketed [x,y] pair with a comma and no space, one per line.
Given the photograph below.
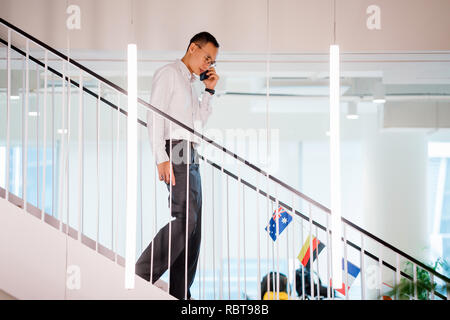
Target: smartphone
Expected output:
[203,75]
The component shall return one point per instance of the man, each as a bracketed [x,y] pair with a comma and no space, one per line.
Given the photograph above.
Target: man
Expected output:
[174,94]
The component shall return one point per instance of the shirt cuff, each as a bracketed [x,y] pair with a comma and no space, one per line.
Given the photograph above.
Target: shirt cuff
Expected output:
[161,156]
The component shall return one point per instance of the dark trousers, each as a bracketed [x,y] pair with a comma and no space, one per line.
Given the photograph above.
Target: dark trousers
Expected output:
[160,260]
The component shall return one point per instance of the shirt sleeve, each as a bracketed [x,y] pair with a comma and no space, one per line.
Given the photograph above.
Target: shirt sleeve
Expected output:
[162,89]
[205,108]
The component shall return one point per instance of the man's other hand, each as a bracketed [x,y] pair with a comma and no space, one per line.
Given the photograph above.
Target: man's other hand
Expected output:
[164,172]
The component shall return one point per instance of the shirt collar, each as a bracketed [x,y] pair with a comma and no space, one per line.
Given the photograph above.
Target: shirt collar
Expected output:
[185,71]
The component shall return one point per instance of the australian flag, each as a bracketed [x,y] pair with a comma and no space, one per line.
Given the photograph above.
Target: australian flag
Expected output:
[283,219]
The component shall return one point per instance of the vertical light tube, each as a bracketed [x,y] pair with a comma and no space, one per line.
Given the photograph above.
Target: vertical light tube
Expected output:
[131,168]
[335,167]
[363,270]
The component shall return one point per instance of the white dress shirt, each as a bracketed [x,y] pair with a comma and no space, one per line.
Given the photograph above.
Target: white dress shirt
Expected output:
[174,92]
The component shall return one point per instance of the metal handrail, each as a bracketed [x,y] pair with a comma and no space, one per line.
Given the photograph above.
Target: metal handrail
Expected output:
[210,141]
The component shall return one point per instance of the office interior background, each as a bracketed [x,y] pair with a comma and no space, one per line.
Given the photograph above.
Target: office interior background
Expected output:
[273,64]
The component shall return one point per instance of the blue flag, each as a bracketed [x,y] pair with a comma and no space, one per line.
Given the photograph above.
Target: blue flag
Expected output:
[283,219]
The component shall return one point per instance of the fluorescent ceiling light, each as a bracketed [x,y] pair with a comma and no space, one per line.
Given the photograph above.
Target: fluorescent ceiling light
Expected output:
[379,100]
[15,97]
[303,90]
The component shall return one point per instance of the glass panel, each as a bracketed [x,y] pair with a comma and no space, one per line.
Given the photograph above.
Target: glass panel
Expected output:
[3,113]
[16,121]
[90,174]
[445,219]
[106,170]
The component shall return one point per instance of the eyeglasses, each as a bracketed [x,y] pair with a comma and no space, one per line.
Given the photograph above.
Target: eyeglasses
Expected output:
[207,59]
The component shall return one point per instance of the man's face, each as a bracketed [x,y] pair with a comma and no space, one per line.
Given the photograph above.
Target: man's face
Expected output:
[202,57]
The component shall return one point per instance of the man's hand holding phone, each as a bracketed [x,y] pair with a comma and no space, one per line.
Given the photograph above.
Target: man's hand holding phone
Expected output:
[210,78]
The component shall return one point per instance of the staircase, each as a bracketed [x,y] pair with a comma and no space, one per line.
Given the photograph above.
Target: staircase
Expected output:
[63,215]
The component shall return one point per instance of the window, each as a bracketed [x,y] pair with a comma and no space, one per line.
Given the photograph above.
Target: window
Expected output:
[439,197]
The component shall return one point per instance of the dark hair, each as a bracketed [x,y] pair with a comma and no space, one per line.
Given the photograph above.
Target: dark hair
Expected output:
[284,285]
[323,291]
[203,38]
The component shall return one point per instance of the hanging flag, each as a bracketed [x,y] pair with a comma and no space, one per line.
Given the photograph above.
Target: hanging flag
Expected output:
[305,253]
[353,272]
[283,219]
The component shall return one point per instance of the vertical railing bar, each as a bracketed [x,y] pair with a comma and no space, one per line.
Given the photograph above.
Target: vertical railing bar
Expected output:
[81,156]
[245,253]
[16,182]
[221,229]
[155,209]
[169,258]
[278,242]
[363,278]
[311,253]
[228,240]
[287,259]
[53,146]
[44,155]
[330,254]
[8,115]
[113,181]
[116,186]
[346,288]
[274,281]
[273,261]
[303,267]
[201,257]
[66,182]
[329,287]
[269,215]
[37,134]
[25,117]
[258,240]
[293,245]
[140,185]
[380,266]
[62,151]
[98,164]
[239,232]
[203,223]
[213,233]
[187,218]
[317,264]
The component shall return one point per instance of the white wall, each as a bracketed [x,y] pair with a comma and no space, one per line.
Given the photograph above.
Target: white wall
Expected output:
[36,260]
[241,26]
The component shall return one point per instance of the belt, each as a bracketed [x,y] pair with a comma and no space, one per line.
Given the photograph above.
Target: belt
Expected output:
[176,141]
